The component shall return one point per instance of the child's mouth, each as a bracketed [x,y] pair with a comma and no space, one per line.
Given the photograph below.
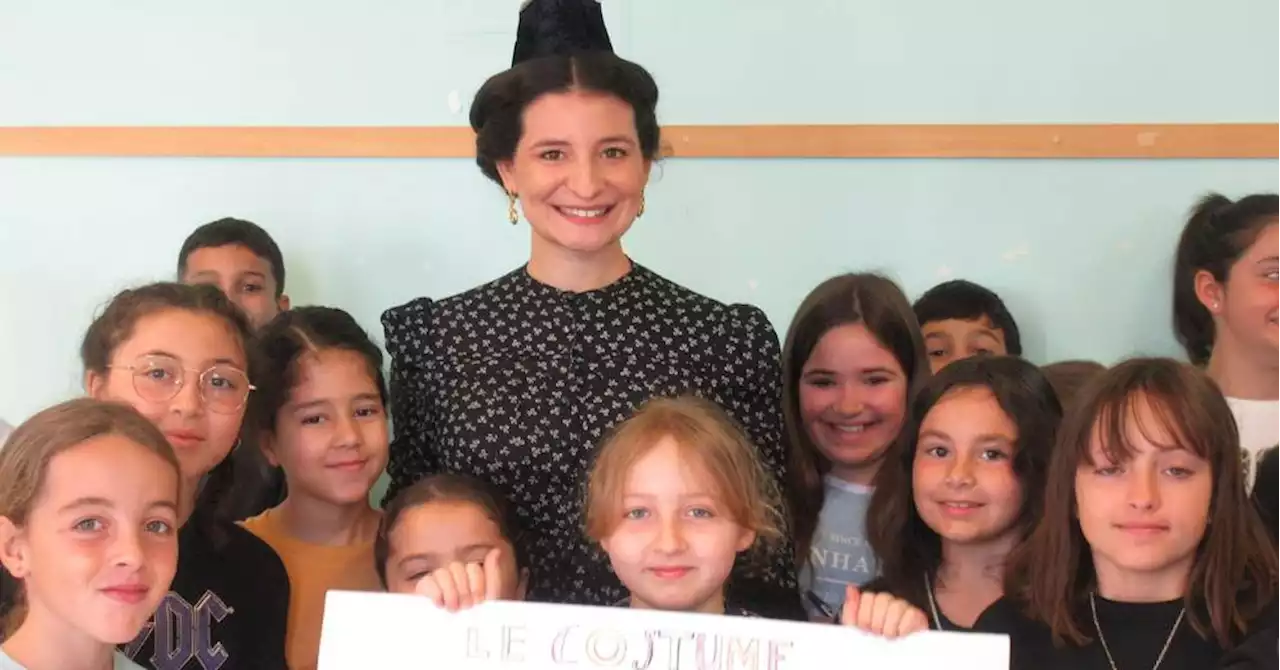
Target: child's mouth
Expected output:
[670,572]
[129,593]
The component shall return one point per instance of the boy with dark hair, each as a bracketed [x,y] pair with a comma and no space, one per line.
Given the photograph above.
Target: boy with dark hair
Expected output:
[960,319]
[240,258]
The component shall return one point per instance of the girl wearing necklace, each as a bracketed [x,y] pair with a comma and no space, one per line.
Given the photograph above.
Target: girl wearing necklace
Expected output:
[958,490]
[1148,555]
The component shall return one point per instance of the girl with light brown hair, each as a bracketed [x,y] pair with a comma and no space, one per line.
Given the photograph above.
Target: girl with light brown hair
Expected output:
[89,530]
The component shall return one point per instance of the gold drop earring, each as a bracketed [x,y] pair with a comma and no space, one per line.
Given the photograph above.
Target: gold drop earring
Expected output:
[512,215]
[640,212]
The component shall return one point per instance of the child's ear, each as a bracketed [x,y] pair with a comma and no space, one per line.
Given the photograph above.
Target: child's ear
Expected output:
[522,587]
[267,443]
[746,539]
[283,302]
[1209,292]
[95,384]
[13,548]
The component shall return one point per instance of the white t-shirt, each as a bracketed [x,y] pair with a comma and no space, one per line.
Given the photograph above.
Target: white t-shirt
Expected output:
[119,660]
[1259,424]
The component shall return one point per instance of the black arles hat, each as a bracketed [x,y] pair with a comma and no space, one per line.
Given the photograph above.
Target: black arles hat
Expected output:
[559,28]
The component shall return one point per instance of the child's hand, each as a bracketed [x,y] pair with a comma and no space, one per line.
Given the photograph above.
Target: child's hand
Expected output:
[881,614]
[458,586]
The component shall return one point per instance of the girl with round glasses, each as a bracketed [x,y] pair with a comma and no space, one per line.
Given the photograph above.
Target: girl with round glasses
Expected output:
[180,356]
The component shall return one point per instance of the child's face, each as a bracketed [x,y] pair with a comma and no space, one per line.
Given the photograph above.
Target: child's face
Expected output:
[853,396]
[200,437]
[245,277]
[331,435]
[962,478]
[955,339]
[1249,306]
[429,537]
[1144,519]
[100,546]
[674,546]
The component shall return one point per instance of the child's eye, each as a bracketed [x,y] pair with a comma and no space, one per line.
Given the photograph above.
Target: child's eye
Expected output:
[313,420]
[1107,470]
[937,452]
[157,374]
[937,353]
[636,513]
[366,412]
[221,383]
[614,152]
[551,155]
[820,382]
[1179,472]
[159,527]
[701,513]
[89,525]
[876,381]
[251,288]
[993,455]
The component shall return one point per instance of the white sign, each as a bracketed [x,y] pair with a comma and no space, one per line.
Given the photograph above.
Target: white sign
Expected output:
[380,630]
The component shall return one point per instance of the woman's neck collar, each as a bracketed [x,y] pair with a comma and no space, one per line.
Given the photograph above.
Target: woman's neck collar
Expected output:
[576,272]
[1239,376]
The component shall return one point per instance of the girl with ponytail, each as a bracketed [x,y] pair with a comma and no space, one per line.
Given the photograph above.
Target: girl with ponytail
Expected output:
[1225,303]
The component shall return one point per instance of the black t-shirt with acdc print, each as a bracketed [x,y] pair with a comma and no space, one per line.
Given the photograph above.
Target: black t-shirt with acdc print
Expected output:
[227,608]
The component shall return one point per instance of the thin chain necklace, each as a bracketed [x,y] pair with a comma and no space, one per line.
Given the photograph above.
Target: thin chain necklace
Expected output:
[1093,607]
[933,605]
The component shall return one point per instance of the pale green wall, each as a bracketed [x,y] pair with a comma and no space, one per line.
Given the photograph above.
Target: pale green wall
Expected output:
[1080,249]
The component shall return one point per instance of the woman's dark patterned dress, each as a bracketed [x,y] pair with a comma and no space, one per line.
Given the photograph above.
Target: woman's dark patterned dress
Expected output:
[515,382]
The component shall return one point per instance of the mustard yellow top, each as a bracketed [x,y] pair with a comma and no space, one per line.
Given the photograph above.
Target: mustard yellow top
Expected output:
[313,570]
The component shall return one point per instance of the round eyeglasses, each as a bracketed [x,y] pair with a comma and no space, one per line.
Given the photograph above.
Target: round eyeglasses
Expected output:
[224,388]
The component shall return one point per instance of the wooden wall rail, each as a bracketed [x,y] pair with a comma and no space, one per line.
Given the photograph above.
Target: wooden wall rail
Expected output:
[1232,140]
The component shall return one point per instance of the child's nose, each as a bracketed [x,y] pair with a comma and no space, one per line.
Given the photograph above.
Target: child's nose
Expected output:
[850,401]
[671,536]
[346,432]
[127,548]
[960,473]
[188,401]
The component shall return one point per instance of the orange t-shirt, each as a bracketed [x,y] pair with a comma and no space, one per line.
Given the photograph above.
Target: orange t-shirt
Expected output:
[313,570]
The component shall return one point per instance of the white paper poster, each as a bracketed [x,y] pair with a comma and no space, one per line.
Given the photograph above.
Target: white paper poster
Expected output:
[385,631]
